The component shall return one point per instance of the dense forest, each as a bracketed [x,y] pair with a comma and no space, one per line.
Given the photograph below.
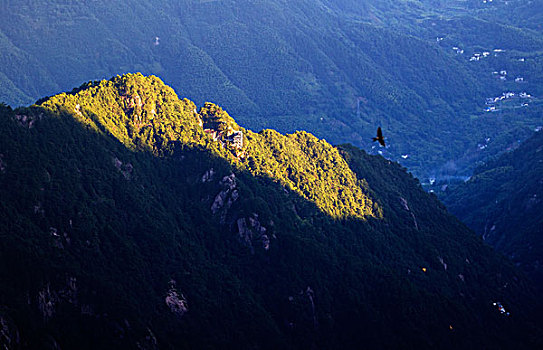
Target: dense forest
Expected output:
[502,202]
[335,68]
[131,218]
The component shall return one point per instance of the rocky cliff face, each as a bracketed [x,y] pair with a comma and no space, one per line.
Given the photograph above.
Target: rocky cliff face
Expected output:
[176,301]
[251,232]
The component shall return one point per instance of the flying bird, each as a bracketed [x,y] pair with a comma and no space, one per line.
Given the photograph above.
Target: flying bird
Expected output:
[379,137]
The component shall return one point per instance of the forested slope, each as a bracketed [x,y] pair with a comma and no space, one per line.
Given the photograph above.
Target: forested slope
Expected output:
[502,203]
[128,213]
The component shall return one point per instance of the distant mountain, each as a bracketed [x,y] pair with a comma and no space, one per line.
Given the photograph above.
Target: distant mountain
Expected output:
[335,68]
[503,203]
[518,13]
[131,218]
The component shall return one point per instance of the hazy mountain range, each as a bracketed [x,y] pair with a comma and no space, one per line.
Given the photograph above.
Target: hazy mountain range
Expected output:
[334,68]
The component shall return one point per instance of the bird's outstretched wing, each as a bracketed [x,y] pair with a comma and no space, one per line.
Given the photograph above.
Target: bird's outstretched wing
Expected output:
[379,137]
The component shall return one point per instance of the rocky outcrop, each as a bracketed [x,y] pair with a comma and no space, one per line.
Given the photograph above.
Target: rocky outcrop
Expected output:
[125,169]
[310,293]
[489,233]
[27,121]
[403,201]
[302,309]
[38,209]
[9,335]
[208,176]
[176,301]
[226,197]
[47,300]
[59,240]
[252,233]
[442,263]
[77,110]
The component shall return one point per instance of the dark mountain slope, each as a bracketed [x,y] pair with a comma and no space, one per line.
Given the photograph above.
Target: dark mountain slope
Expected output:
[502,202]
[121,217]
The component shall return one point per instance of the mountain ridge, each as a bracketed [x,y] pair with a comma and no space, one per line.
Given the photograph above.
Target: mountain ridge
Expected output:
[134,120]
[162,244]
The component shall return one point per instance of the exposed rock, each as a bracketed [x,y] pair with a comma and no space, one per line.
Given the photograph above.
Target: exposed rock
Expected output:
[46,302]
[310,295]
[218,203]
[265,242]
[442,262]
[38,209]
[133,101]
[138,101]
[224,199]
[294,210]
[9,335]
[77,110]
[415,221]
[57,239]
[250,230]
[176,302]
[244,232]
[235,139]
[67,238]
[208,175]
[53,231]
[48,176]
[27,121]
[117,162]
[403,201]
[125,169]
[489,233]
[229,181]
[48,299]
